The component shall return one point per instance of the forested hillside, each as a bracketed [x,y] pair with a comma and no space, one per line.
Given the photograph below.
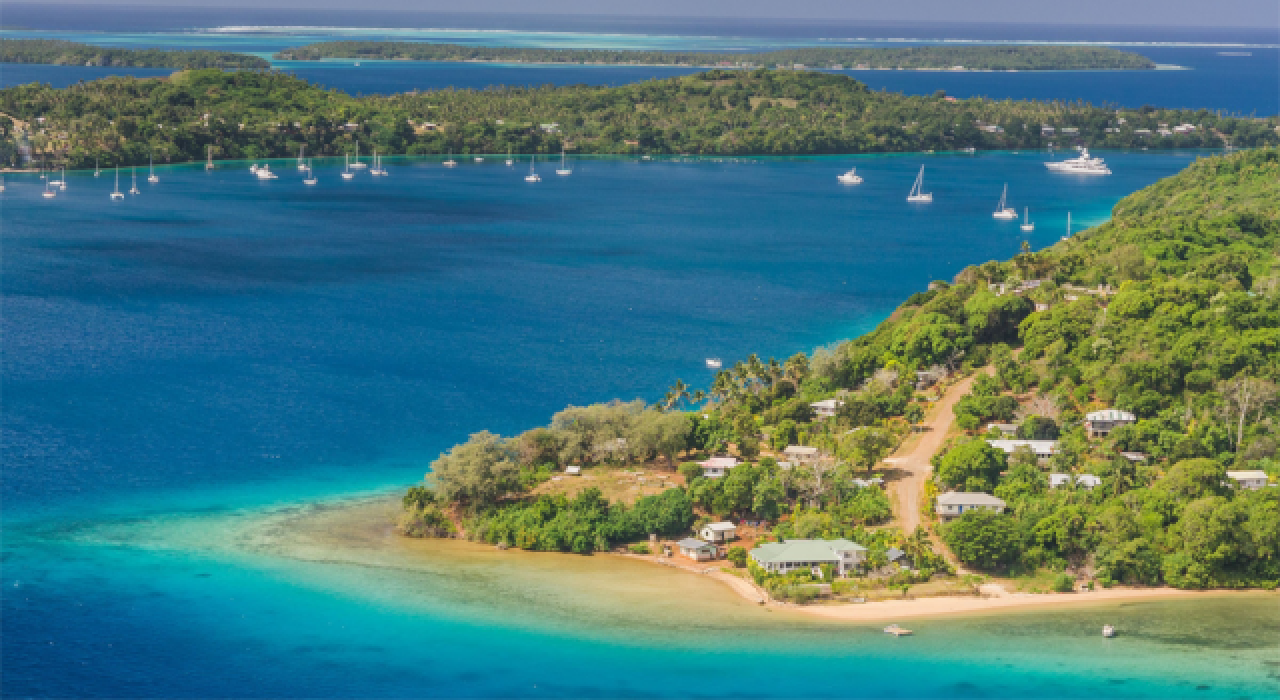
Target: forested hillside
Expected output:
[70,53]
[249,115]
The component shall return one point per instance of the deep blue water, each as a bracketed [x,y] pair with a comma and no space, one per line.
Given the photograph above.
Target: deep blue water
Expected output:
[217,344]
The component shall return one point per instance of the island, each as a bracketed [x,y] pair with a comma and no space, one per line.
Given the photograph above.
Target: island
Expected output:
[69,53]
[974,58]
[1093,421]
[211,114]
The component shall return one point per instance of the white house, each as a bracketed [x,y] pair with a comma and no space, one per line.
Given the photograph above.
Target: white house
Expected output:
[718,532]
[953,504]
[573,470]
[1134,456]
[826,408]
[799,454]
[1252,479]
[1101,423]
[1084,481]
[781,557]
[717,467]
[1040,448]
[697,550]
[1004,428]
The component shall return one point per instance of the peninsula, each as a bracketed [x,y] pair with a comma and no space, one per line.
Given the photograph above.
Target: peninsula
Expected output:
[70,53]
[979,58]
[1097,414]
[260,114]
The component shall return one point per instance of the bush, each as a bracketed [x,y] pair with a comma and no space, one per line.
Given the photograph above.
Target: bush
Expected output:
[983,539]
[1064,583]
[640,549]
[737,556]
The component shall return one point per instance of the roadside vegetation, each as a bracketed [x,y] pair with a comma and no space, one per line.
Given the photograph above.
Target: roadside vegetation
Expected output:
[253,115]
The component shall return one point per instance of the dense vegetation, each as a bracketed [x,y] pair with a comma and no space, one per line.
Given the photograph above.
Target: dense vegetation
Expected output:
[914,57]
[1189,341]
[250,115]
[70,53]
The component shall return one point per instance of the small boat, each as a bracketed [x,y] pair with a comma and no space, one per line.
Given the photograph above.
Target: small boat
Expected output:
[714,363]
[134,189]
[302,164]
[346,169]
[451,162]
[48,193]
[533,175]
[97,172]
[1108,631]
[63,184]
[564,165]
[208,164]
[310,179]
[1026,221]
[1,183]
[377,168]
[1002,212]
[116,193]
[153,178]
[264,173]
[897,631]
[358,165]
[970,150]
[917,194]
[850,178]
[60,184]
[479,159]
[509,159]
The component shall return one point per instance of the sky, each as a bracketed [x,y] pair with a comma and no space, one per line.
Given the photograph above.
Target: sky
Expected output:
[1188,13]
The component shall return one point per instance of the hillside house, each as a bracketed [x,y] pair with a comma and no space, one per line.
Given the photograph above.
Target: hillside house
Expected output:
[953,504]
[718,532]
[782,557]
[1252,479]
[717,467]
[1100,423]
[1084,481]
[1042,449]
[800,454]
[697,550]
[826,408]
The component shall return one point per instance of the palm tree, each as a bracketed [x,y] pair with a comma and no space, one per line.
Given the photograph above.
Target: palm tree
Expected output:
[678,393]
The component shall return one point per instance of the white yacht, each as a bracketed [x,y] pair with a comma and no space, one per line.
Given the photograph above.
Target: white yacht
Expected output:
[358,165]
[1026,221]
[116,193]
[302,164]
[533,175]
[1083,165]
[714,363]
[310,179]
[479,159]
[152,177]
[451,162]
[346,169]
[564,165]
[850,178]
[917,192]
[264,173]
[1003,212]
[253,168]
[134,189]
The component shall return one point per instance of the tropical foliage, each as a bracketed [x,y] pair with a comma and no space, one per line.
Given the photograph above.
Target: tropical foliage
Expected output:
[70,53]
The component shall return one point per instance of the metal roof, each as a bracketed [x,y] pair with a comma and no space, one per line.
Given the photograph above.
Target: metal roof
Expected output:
[804,550]
[1110,414]
[690,543]
[966,498]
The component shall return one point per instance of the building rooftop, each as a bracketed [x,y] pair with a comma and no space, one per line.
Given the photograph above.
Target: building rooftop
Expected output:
[968,498]
[1037,446]
[690,543]
[1110,414]
[803,550]
[1247,474]
[800,450]
[721,526]
[720,462]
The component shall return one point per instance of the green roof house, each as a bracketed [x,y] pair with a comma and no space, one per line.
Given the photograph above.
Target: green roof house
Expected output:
[781,557]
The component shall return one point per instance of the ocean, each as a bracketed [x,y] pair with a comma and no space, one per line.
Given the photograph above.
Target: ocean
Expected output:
[1229,70]
[197,379]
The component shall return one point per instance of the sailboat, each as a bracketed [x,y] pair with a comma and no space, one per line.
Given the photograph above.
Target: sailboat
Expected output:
[564,165]
[311,176]
[152,178]
[48,193]
[377,165]
[533,176]
[55,183]
[1003,212]
[97,172]
[1026,221]
[850,178]
[1068,227]
[509,160]
[134,189]
[209,163]
[451,162]
[116,193]
[358,165]
[62,184]
[302,164]
[346,171]
[917,194]
[1,183]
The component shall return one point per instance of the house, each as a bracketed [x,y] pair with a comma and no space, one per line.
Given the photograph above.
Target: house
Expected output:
[781,557]
[1134,456]
[1041,306]
[1042,449]
[826,408]
[1084,481]
[898,558]
[718,532]
[1046,130]
[574,470]
[697,550]
[1101,423]
[717,467]
[953,504]
[800,454]
[1252,479]
[1004,428]
[867,483]
[1141,132]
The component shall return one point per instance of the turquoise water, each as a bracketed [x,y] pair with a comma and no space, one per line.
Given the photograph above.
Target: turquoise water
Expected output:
[184,363]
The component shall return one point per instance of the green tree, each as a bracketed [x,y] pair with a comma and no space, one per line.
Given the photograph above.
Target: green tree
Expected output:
[477,472]
[983,539]
[971,466]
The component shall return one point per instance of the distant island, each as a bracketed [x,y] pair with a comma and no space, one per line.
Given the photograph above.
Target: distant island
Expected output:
[70,53]
[1096,414]
[976,58]
[266,114]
